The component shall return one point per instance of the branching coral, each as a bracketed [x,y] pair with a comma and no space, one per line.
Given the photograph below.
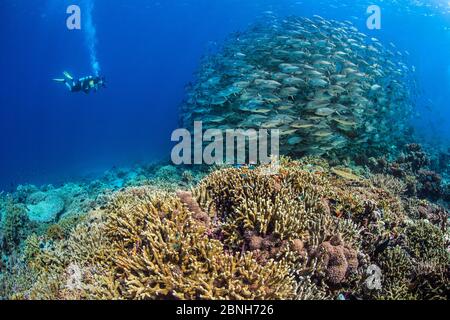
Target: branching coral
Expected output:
[390,183]
[308,231]
[307,290]
[412,167]
[15,280]
[419,268]
[249,200]
[87,247]
[397,267]
[14,227]
[427,243]
[422,209]
[164,252]
[313,205]
[147,245]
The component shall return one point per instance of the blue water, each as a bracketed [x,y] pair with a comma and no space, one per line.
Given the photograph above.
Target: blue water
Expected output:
[149,51]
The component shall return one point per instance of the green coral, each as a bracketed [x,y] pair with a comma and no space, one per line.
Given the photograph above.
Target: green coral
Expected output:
[16,281]
[397,272]
[15,226]
[427,243]
[419,268]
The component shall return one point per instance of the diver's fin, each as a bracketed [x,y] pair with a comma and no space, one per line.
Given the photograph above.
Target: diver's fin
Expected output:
[59,80]
[67,75]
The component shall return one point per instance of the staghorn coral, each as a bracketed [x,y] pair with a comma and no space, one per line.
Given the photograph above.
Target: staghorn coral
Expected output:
[427,243]
[148,245]
[307,290]
[431,285]
[304,232]
[397,267]
[164,252]
[367,216]
[423,209]
[390,183]
[192,205]
[87,247]
[63,228]
[15,280]
[419,268]
[250,200]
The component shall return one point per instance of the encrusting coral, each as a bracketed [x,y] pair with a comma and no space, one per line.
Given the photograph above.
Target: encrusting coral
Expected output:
[339,260]
[306,231]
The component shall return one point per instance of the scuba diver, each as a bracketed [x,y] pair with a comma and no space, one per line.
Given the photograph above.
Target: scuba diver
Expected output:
[85,84]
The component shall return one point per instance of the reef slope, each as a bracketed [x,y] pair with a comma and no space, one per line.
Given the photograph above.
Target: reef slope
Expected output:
[309,231]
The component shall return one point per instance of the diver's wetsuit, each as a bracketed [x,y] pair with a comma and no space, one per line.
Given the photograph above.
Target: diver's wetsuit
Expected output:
[75,86]
[85,84]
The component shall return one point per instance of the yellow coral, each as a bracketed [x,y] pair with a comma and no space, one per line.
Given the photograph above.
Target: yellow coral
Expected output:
[302,232]
[163,252]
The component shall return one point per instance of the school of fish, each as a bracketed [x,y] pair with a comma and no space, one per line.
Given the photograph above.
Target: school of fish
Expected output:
[329,89]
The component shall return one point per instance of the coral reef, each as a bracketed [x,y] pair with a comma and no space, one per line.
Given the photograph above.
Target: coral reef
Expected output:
[412,171]
[14,227]
[147,245]
[44,208]
[309,231]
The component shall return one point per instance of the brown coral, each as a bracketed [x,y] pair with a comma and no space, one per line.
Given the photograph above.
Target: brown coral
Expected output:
[305,232]
[173,257]
[188,199]
[339,260]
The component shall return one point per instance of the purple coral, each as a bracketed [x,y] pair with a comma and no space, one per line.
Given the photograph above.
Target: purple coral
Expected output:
[340,260]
